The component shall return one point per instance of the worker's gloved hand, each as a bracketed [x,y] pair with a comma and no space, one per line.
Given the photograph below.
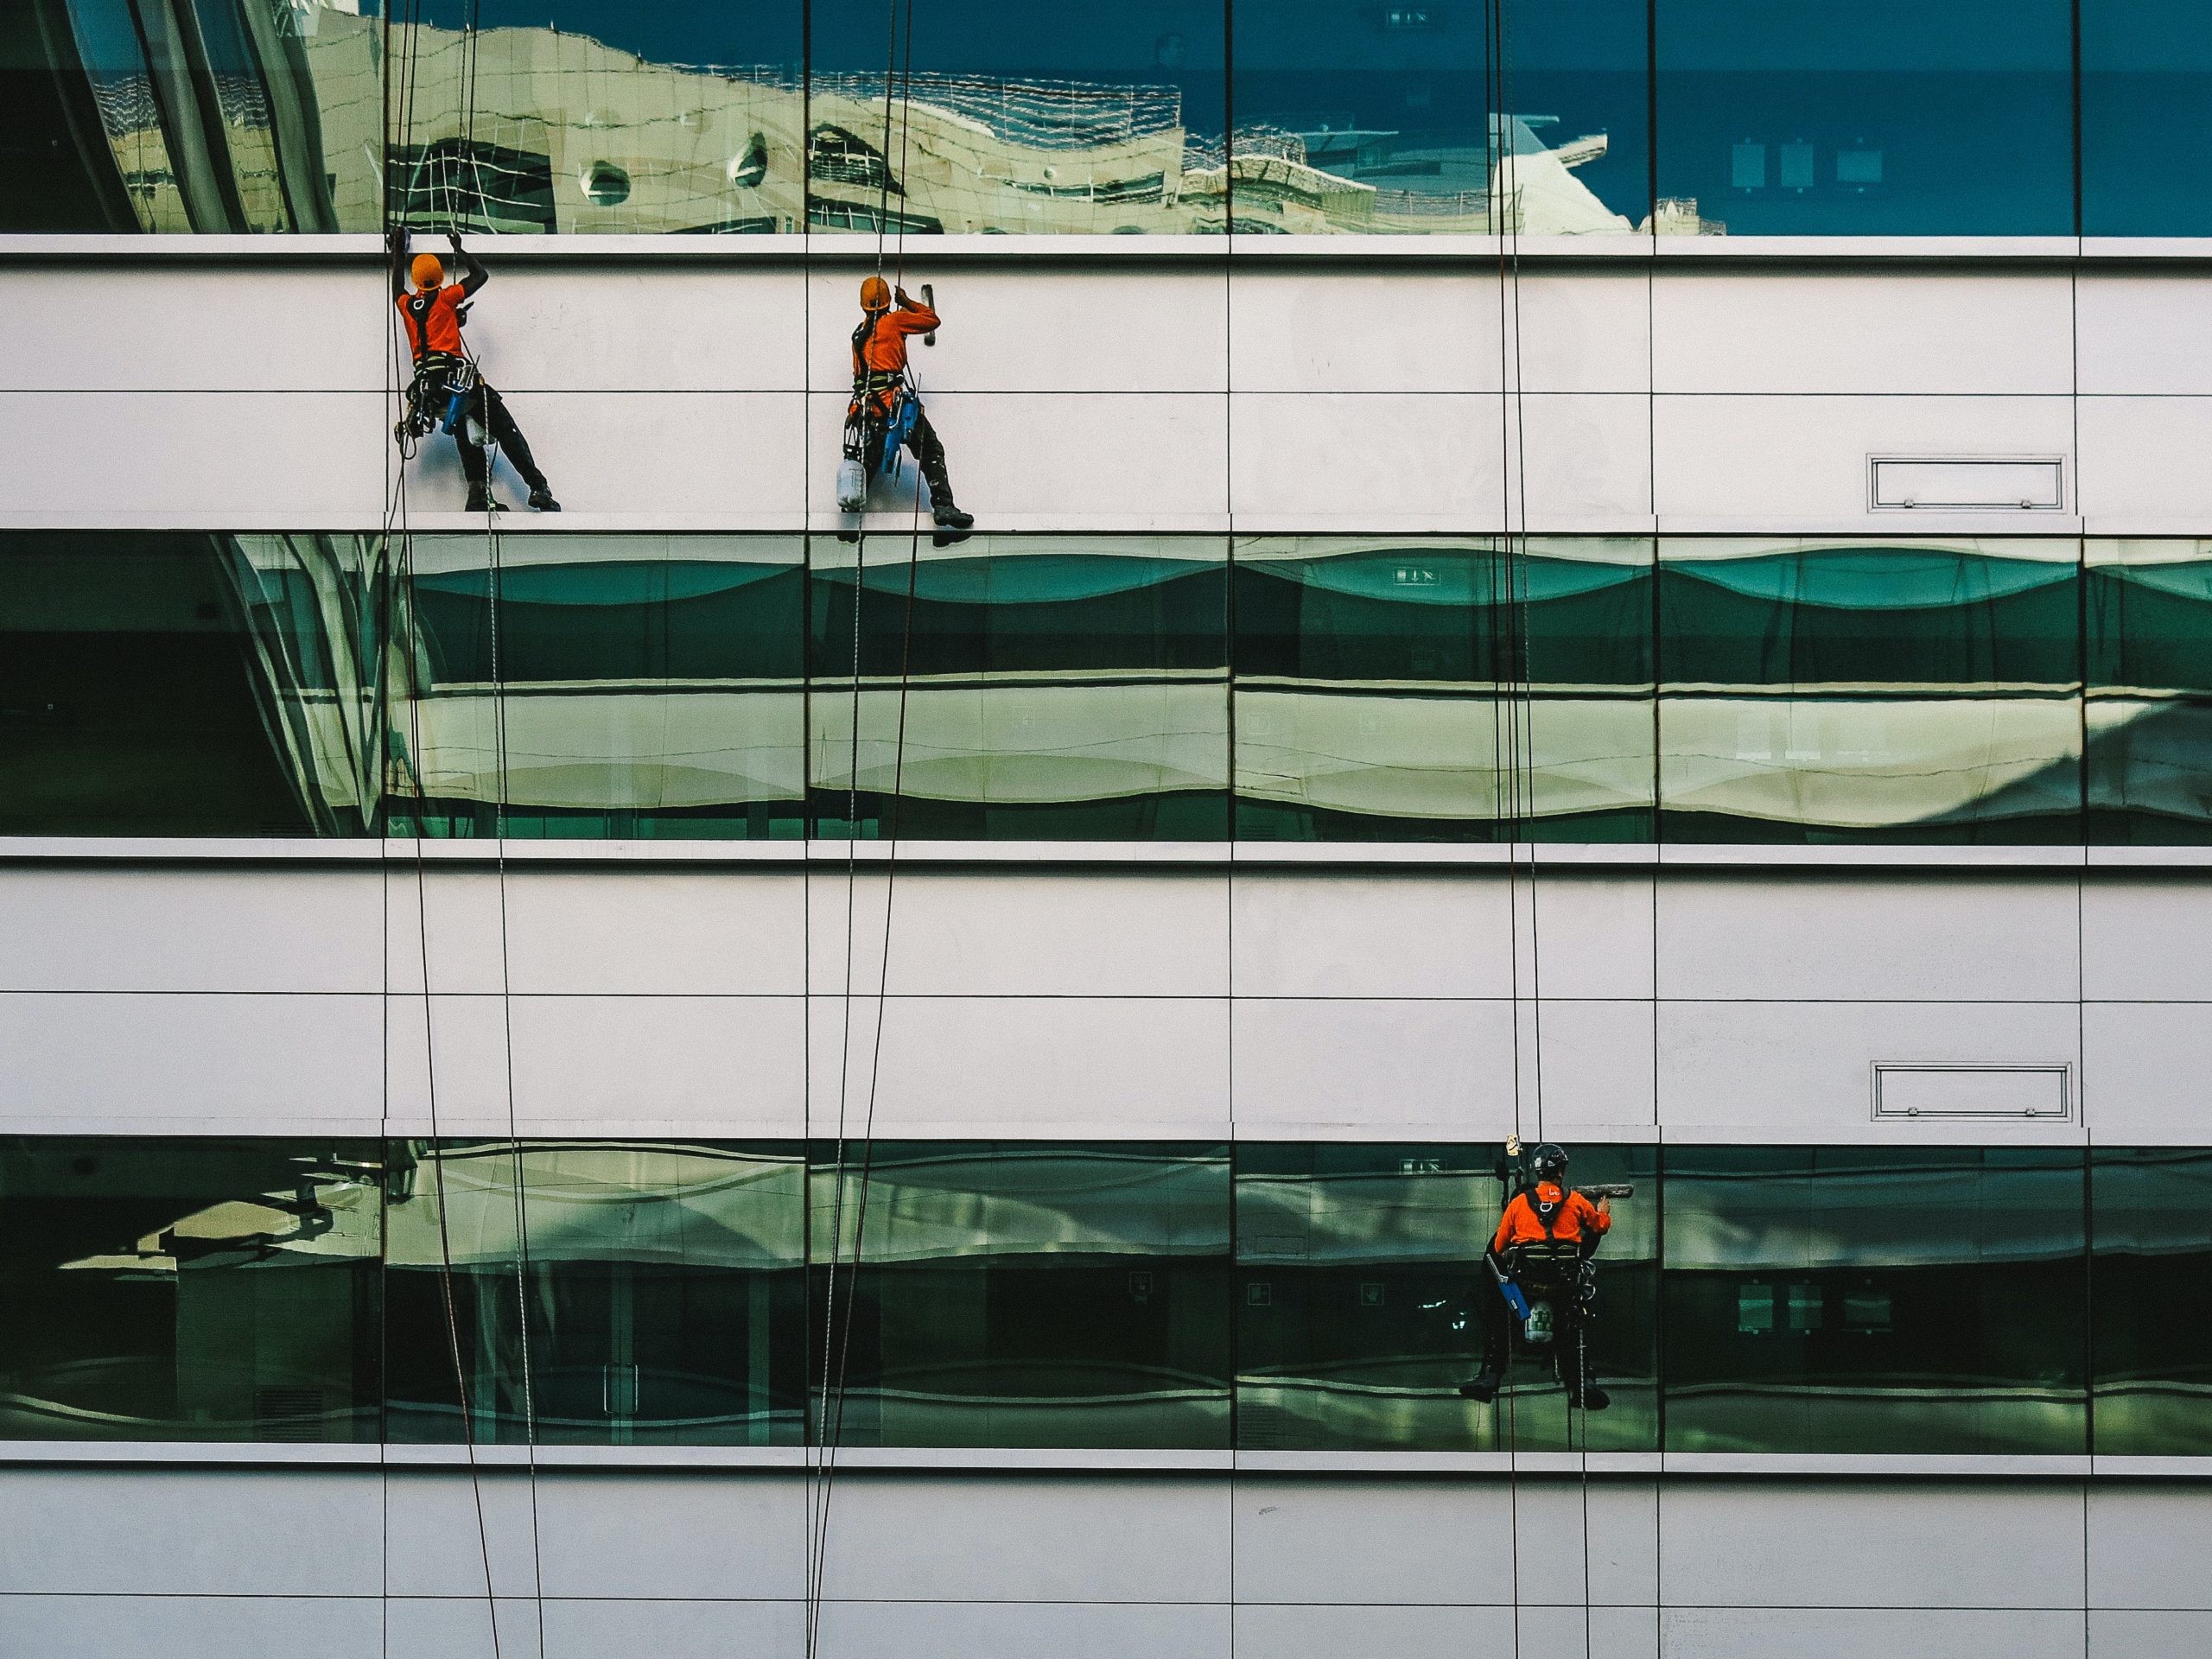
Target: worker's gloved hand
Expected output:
[899,294]
[453,237]
[395,241]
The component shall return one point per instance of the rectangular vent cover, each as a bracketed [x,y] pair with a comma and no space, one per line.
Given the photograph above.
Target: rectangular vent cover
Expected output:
[1973,1091]
[1935,483]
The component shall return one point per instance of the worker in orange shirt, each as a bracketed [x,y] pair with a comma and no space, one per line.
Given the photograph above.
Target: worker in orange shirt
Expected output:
[885,412]
[1540,1249]
[446,389]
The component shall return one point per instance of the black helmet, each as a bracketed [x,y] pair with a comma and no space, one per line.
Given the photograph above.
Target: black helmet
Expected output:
[1550,1161]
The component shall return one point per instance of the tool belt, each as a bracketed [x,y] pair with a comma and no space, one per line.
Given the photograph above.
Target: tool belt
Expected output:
[439,394]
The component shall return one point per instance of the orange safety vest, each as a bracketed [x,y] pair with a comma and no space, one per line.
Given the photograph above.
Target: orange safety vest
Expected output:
[433,321]
[1575,1218]
[879,343]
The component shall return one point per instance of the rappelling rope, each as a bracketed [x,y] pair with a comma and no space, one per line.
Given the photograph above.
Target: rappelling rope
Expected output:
[836,1350]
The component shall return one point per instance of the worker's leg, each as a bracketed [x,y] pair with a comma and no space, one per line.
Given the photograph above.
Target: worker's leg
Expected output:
[493,410]
[928,452]
[1573,1336]
[1495,1320]
[474,468]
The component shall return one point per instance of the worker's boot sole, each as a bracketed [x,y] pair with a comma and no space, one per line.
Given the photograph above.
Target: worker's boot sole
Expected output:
[1482,1389]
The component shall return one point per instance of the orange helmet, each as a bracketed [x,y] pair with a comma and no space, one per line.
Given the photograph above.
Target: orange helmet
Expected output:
[430,275]
[875,295]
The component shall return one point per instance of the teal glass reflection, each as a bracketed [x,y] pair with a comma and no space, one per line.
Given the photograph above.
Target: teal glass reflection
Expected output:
[1013,1293]
[644,686]
[1440,690]
[190,1289]
[1867,118]
[176,684]
[2150,1296]
[2148,608]
[1870,692]
[2146,117]
[1011,119]
[1859,1300]
[1500,117]
[1359,1268]
[1054,686]
[602,1293]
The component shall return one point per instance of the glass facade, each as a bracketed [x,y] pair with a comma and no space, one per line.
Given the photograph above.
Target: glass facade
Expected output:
[1171,117]
[1109,687]
[1272,1296]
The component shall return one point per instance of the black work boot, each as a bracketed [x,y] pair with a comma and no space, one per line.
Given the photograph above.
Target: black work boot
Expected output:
[479,500]
[1590,1397]
[1483,1387]
[952,524]
[541,500]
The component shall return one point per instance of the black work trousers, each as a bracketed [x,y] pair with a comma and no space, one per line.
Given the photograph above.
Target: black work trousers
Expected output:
[489,411]
[1568,1334]
[921,443]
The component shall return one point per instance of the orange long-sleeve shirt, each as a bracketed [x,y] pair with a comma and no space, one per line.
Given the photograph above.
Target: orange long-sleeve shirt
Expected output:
[882,348]
[1577,1218]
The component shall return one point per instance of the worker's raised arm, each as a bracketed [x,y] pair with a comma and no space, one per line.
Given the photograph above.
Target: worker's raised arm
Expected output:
[912,316]
[396,243]
[474,274]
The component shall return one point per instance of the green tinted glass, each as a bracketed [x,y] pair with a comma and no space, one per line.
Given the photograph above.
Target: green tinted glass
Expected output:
[2152,1296]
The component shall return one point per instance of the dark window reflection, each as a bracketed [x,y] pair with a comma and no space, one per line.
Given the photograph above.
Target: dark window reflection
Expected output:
[2146,117]
[645,686]
[189,1290]
[661,1287]
[1442,117]
[1869,691]
[2151,1298]
[1443,690]
[1855,1299]
[1024,1294]
[181,685]
[1357,1270]
[1017,119]
[1054,686]
[1869,117]
[2149,615]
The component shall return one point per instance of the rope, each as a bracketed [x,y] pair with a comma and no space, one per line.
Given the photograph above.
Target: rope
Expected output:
[836,1336]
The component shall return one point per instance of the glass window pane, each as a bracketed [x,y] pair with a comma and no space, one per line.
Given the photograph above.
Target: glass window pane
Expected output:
[1848,1298]
[1360,1282]
[188,1289]
[1387,118]
[648,686]
[1369,702]
[1024,1294]
[1050,120]
[185,685]
[1837,691]
[663,1285]
[2152,1296]
[1869,117]
[2146,117]
[2149,611]
[1054,687]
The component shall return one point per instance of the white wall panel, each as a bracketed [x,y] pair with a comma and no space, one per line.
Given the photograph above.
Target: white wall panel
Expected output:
[1376,1067]
[1048,460]
[1429,330]
[1756,462]
[601,328]
[1416,935]
[675,1629]
[2144,331]
[161,327]
[1803,1071]
[1885,332]
[189,1062]
[2147,938]
[1060,933]
[2150,1635]
[656,933]
[1740,935]
[2148,1546]
[1598,1062]
[1012,1539]
[1432,462]
[193,1627]
[2144,1067]
[1432,1632]
[1136,1067]
[217,929]
[1079,330]
[1844,1633]
[1087,1629]
[729,460]
[2142,468]
[1734,1544]
[229,461]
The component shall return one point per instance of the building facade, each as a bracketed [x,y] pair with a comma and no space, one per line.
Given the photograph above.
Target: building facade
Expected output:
[714,1073]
